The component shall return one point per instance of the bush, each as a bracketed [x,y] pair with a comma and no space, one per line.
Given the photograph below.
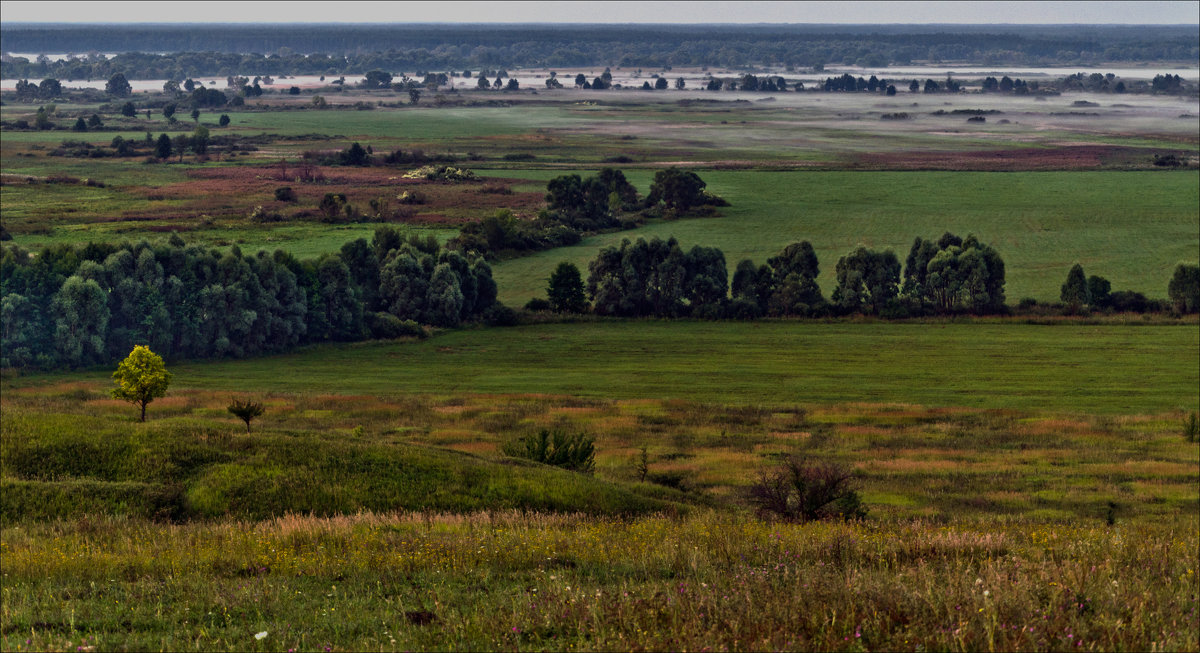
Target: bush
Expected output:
[1191,427]
[285,194]
[537,304]
[500,315]
[574,452]
[800,490]
[259,214]
[385,326]
[441,173]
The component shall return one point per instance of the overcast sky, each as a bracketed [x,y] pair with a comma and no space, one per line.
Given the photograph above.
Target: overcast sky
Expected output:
[1170,13]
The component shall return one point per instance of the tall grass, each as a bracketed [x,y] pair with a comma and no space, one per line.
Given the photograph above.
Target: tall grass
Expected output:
[504,580]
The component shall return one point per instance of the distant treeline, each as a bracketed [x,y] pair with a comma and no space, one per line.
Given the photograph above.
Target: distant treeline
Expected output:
[68,306]
[195,50]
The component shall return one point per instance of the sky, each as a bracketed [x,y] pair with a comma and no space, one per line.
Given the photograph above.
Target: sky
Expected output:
[1168,13]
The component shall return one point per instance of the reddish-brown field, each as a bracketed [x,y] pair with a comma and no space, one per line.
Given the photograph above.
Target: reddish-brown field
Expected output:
[234,192]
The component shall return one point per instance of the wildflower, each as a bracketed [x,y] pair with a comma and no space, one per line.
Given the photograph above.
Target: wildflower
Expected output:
[260,635]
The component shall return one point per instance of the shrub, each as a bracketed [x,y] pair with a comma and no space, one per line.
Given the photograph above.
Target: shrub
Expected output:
[500,315]
[385,326]
[574,452]
[412,197]
[441,173]
[537,304]
[800,489]
[245,410]
[285,194]
[1191,427]
[259,214]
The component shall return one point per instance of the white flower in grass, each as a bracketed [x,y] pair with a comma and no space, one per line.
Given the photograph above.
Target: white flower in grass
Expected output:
[262,635]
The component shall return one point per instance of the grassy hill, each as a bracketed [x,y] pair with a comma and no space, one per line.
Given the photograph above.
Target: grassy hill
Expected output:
[60,465]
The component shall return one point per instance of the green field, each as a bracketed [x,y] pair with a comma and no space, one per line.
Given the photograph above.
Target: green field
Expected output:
[1101,368]
[1130,227]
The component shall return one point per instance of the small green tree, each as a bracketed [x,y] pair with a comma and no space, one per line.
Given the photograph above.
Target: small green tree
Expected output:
[141,378]
[245,410]
[565,290]
[1191,427]
[1075,289]
[223,121]
[162,148]
[128,110]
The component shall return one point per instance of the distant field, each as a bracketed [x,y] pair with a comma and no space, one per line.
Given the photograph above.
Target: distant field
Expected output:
[1090,368]
[1130,227]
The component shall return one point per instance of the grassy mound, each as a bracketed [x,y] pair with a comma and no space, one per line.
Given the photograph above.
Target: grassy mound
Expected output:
[57,466]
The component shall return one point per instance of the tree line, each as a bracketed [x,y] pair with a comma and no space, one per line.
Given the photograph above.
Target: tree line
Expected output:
[196,50]
[946,276]
[69,306]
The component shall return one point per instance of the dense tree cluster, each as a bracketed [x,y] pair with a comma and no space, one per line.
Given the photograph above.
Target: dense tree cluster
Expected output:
[575,206]
[590,203]
[90,304]
[949,276]
[193,51]
[657,278]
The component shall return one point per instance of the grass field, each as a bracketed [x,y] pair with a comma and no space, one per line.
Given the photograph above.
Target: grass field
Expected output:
[1130,227]
[1103,368]
[513,581]
[1028,486]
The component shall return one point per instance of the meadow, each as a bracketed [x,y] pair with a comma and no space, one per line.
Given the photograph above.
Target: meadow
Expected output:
[1027,482]
[1040,222]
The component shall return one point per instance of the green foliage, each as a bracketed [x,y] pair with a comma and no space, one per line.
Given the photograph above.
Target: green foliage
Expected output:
[657,278]
[245,410]
[355,155]
[141,378]
[558,448]
[162,148]
[954,275]
[867,281]
[1183,290]
[1075,291]
[1191,427]
[565,290]
[678,191]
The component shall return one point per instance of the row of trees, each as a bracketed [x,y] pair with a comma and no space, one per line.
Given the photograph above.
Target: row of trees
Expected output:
[950,275]
[90,304]
[1083,292]
[658,278]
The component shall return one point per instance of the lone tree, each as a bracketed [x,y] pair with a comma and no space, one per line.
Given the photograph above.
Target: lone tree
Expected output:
[246,410]
[566,289]
[141,378]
